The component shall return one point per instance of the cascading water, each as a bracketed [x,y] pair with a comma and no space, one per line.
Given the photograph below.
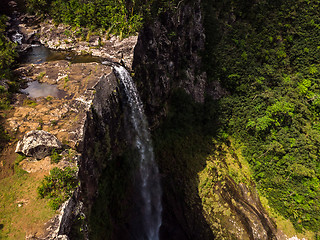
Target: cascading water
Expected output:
[149,219]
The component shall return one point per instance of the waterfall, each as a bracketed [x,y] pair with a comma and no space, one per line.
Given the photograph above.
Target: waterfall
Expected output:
[148,183]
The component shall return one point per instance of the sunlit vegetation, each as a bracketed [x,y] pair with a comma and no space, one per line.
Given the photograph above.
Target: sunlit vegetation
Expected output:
[58,186]
[7,86]
[7,51]
[267,56]
[7,58]
[120,17]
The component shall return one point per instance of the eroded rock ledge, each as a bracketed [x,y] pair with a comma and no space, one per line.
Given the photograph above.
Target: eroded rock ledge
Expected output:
[89,90]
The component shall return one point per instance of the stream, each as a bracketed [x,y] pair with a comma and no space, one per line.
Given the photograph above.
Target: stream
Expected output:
[39,54]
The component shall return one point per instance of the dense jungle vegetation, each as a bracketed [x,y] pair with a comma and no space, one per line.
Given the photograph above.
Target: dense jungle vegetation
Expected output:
[123,17]
[7,58]
[120,17]
[267,55]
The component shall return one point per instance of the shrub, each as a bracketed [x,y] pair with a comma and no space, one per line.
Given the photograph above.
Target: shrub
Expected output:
[58,186]
[55,157]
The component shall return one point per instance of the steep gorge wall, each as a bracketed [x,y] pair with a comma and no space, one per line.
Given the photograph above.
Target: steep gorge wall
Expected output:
[102,130]
[101,167]
[168,56]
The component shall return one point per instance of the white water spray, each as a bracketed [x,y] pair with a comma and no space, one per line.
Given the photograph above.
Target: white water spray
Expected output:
[149,188]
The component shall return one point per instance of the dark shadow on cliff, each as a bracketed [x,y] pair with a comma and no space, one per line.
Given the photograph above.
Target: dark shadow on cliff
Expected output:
[110,218]
[181,147]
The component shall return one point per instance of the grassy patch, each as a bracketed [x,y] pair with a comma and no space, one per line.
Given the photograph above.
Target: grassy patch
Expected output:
[30,103]
[17,170]
[21,212]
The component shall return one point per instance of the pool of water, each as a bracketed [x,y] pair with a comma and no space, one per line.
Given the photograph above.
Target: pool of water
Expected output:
[39,54]
[36,89]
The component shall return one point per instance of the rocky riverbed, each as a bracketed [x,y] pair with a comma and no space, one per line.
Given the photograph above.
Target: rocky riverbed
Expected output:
[79,40]
[63,117]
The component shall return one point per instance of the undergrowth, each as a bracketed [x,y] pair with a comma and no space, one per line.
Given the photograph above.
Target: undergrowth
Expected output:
[58,186]
[119,17]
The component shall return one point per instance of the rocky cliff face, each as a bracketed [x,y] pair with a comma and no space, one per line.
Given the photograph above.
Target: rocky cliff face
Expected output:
[167,56]
[101,131]
[103,141]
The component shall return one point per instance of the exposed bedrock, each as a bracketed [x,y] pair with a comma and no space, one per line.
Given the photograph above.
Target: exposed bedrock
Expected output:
[167,56]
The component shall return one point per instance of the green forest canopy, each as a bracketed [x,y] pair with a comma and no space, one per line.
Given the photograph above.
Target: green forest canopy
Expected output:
[7,59]
[121,17]
[268,57]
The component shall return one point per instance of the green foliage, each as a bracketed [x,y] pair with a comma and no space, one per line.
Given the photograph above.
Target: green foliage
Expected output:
[17,169]
[58,186]
[7,50]
[20,158]
[4,137]
[48,98]
[7,58]
[267,58]
[124,18]
[29,102]
[55,157]
[41,75]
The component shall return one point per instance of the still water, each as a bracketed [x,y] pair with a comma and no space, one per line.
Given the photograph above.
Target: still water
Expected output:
[36,89]
[39,54]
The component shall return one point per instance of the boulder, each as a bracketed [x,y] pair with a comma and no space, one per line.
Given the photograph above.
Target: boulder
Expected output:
[38,144]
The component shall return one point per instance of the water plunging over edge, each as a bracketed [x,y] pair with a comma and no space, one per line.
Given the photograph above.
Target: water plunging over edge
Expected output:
[149,182]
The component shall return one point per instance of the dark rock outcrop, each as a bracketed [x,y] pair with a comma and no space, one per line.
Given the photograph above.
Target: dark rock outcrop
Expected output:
[102,131]
[103,141]
[167,56]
